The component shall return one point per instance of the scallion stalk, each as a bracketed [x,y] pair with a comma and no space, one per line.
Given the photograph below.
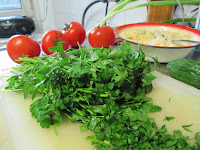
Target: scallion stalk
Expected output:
[120,8]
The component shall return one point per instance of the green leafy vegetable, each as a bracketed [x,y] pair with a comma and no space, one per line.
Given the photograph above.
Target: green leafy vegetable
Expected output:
[168,118]
[197,137]
[186,127]
[104,90]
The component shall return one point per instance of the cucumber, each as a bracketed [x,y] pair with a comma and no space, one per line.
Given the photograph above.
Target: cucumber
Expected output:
[185,70]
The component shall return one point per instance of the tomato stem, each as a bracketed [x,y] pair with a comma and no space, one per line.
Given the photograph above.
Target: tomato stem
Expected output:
[57,39]
[66,27]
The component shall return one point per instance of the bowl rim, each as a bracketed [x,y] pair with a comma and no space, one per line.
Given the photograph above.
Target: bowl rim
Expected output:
[118,29]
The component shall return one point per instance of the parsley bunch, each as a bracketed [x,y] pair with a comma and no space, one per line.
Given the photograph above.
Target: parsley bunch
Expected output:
[104,90]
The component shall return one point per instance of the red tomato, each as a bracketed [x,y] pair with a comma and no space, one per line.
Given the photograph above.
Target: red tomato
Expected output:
[102,37]
[74,32]
[21,44]
[36,46]
[51,38]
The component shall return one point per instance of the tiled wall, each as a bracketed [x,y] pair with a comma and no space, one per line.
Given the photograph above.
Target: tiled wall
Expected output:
[64,11]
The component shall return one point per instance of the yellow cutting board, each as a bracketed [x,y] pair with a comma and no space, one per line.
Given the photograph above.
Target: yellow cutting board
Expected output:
[24,133]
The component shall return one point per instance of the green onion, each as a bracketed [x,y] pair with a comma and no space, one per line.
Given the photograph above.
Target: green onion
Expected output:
[178,20]
[120,7]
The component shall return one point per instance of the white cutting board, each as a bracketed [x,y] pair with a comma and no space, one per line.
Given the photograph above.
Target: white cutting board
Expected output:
[176,98]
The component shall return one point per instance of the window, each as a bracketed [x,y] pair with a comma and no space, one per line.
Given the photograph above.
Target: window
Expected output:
[10,4]
[15,8]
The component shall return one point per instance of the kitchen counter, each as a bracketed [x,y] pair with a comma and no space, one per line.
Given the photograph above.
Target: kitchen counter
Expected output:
[195,55]
[5,61]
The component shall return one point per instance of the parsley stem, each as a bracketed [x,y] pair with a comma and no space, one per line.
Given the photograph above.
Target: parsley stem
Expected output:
[14,90]
[54,128]
[84,90]
[104,95]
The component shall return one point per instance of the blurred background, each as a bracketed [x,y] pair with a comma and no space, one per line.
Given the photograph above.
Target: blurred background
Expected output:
[51,14]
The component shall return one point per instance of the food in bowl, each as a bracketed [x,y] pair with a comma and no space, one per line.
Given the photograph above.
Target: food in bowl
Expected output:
[157,36]
[155,39]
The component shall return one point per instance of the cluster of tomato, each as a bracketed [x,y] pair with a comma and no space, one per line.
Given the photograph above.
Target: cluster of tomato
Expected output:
[72,35]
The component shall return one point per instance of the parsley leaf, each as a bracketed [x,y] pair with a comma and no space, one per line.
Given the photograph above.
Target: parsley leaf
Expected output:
[186,127]
[168,118]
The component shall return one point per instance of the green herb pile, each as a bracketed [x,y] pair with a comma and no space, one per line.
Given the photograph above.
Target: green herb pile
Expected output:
[104,90]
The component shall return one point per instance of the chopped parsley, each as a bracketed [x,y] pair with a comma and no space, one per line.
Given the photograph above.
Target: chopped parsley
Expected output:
[168,118]
[104,90]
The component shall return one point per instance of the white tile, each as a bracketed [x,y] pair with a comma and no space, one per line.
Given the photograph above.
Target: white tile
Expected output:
[76,7]
[116,19]
[98,14]
[70,7]
[98,11]
[65,11]
[60,20]
[49,18]
[59,6]
[137,14]
[90,24]
[82,6]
